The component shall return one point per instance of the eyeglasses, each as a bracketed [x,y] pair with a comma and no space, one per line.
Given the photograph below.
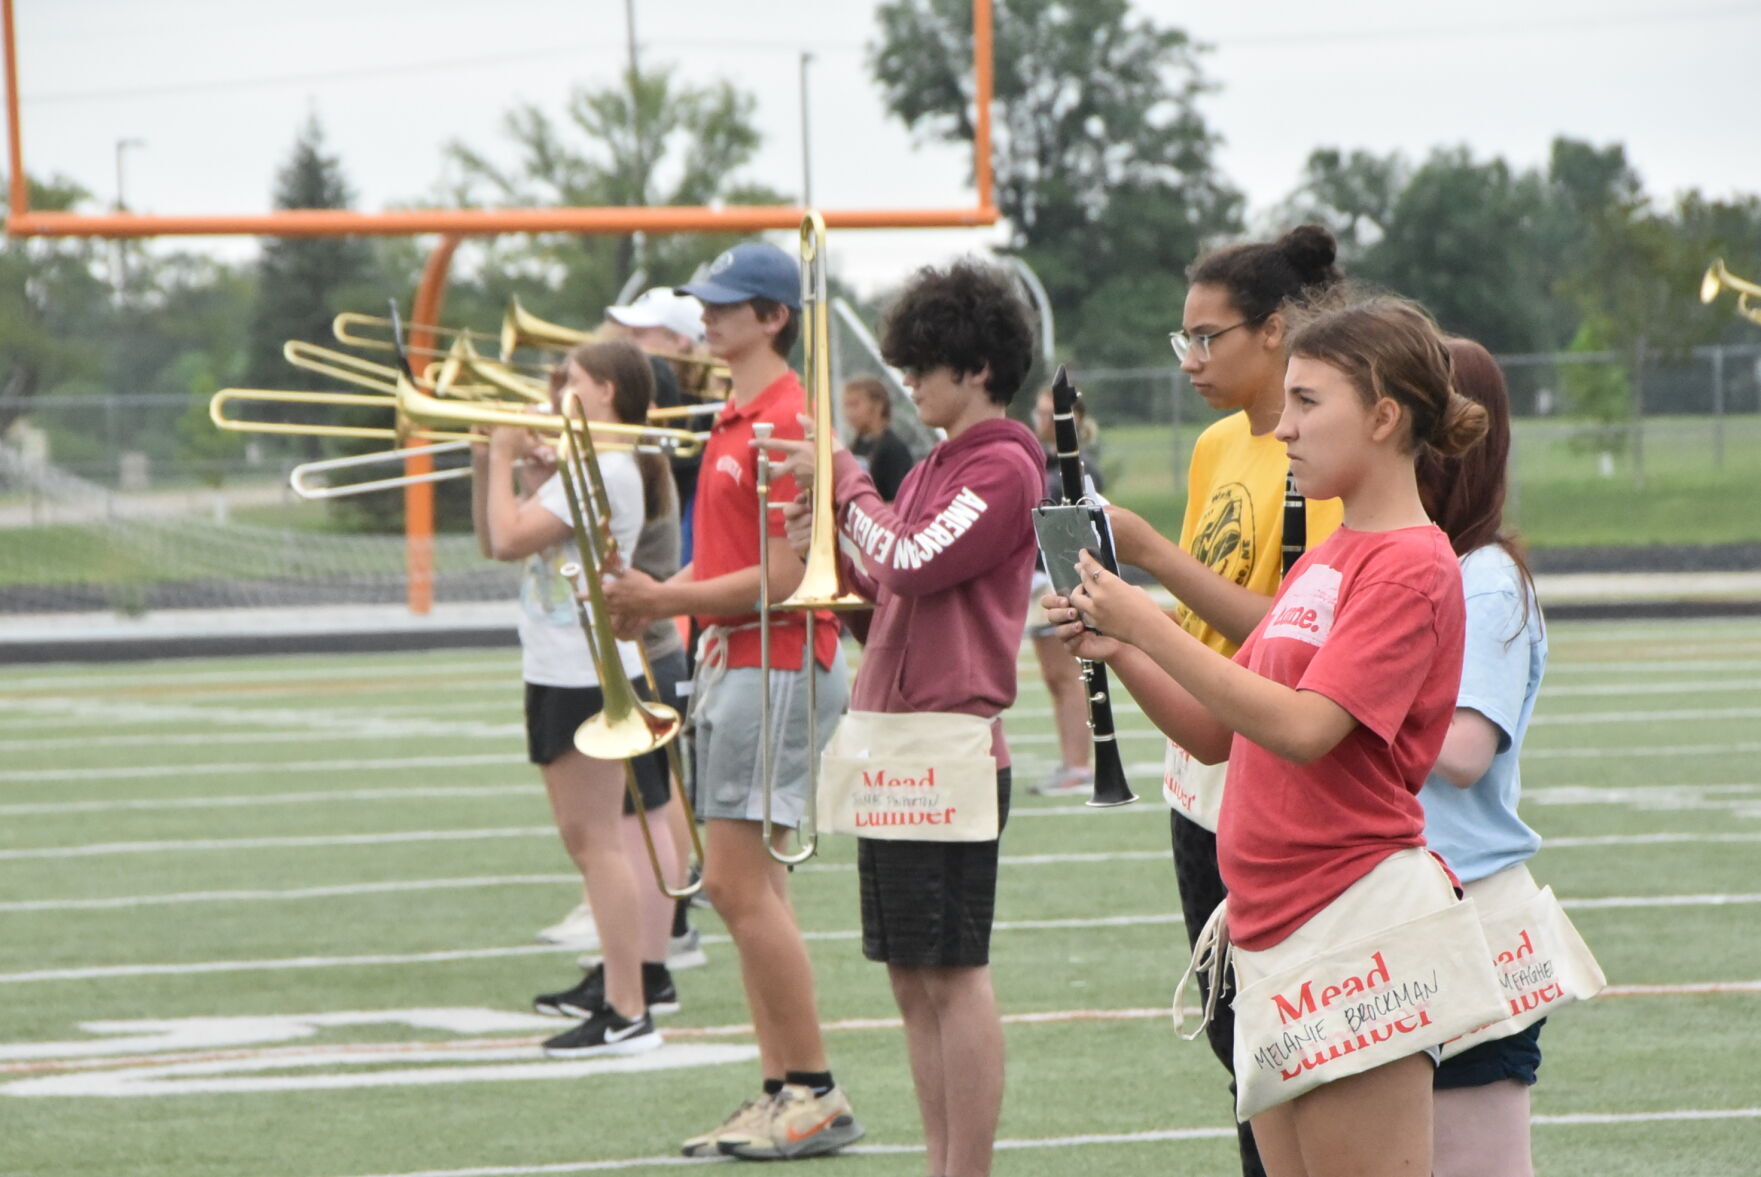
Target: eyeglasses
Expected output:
[1183,343]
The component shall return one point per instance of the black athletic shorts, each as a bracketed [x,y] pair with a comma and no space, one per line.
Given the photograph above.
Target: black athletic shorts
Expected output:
[553,714]
[1516,1057]
[930,904]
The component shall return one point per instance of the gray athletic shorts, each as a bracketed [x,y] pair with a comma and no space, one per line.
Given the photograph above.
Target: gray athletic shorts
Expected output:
[725,741]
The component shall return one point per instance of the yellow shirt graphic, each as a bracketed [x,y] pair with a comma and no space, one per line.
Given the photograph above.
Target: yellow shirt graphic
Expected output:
[1234,521]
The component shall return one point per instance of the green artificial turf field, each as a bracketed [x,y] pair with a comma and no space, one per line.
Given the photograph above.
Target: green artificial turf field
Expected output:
[205,864]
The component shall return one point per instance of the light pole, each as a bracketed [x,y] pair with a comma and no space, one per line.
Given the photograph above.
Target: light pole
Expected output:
[122,145]
[806,142]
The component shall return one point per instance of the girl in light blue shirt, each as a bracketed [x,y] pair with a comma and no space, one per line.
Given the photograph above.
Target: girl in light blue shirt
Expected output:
[1481,1113]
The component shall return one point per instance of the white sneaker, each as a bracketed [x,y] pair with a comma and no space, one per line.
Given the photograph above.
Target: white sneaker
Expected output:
[575,930]
[1065,782]
[686,952]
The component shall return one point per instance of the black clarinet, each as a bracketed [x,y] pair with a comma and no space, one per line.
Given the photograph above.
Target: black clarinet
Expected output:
[1110,787]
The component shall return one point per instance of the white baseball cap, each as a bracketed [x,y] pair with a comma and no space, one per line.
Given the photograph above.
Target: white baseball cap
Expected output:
[661,307]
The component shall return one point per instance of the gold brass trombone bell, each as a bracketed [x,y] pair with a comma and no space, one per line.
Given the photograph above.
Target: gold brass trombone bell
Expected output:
[1718,278]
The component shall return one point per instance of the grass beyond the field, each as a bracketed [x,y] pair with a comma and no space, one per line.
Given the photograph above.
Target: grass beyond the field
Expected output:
[1560,498]
[260,841]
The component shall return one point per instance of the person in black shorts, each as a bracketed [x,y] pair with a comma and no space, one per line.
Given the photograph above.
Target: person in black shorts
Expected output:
[947,565]
[604,382]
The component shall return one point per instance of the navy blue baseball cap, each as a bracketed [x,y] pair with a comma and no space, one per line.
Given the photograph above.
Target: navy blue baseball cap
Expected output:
[752,269]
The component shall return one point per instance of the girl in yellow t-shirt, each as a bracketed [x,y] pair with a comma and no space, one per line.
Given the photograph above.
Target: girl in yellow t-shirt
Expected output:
[1228,563]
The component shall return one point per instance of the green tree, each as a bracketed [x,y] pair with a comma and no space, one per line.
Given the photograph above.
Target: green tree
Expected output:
[1353,194]
[651,140]
[1104,166]
[1598,392]
[1458,239]
[301,280]
[54,306]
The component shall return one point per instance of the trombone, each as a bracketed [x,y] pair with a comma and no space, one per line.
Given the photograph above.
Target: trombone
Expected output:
[300,477]
[1718,278]
[621,724]
[520,328]
[822,585]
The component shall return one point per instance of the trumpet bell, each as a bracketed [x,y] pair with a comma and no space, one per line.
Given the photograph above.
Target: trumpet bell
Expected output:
[1713,282]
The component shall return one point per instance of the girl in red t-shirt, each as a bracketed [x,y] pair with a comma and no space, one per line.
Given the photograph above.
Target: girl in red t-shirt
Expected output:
[1330,716]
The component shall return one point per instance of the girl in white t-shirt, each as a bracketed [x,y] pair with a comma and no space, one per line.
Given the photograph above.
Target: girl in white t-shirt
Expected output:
[609,382]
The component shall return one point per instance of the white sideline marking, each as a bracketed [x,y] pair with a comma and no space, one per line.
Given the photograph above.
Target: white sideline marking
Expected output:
[397,837]
[1656,666]
[159,1035]
[395,672]
[1662,901]
[178,898]
[244,800]
[1595,717]
[175,1040]
[521,1063]
[1640,750]
[104,849]
[259,768]
[217,1039]
[101,972]
[1159,1136]
[340,890]
[1580,841]
[1687,989]
[337,729]
[380,731]
[1721,686]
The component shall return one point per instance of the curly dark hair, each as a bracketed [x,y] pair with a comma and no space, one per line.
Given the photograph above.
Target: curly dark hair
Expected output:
[1263,276]
[965,316]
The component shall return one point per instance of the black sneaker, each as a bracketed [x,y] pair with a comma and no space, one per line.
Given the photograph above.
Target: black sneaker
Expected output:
[583,1001]
[588,998]
[605,1033]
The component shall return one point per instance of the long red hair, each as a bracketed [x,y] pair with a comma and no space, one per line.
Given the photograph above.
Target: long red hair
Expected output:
[1465,493]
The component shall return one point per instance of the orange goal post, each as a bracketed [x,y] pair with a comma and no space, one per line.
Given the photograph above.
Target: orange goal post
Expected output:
[455,224]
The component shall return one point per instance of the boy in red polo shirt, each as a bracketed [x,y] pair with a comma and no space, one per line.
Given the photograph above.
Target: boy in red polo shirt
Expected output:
[752,303]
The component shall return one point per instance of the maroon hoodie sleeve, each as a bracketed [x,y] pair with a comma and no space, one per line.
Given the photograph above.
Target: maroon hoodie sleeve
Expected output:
[977,510]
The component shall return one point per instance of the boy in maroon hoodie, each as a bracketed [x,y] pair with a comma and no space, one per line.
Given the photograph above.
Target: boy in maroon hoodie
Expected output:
[947,565]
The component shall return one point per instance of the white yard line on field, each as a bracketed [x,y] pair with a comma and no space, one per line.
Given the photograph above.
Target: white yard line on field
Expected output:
[1158,1136]
[379,729]
[395,837]
[105,972]
[342,890]
[105,849]
[38,1058]
[258,767]
[105,715]
[1696,687]
[253,800]
[414,672]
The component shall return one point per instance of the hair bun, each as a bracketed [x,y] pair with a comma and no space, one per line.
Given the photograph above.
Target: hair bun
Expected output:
[1311,251]
[1460,426]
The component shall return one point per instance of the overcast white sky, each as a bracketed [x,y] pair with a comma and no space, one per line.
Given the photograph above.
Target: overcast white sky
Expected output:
[216,90]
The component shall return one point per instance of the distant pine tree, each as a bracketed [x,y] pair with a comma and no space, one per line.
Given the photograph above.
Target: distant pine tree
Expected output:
[299,279]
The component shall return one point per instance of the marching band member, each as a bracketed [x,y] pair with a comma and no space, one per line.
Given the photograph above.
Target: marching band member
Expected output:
[947,566]
[1353,957]
[1227,565]
[610,382]
[752,302]
[1470,799]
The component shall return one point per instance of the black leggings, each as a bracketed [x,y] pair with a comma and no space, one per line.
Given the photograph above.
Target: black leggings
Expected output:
[1201,889]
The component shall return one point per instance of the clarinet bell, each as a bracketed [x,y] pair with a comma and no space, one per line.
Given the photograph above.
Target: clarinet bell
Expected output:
[1110,785]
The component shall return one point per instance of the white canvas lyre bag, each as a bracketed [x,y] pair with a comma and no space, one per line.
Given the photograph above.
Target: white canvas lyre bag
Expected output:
[1538,956]
[1325,1004]
[917,777]
[1192,788]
